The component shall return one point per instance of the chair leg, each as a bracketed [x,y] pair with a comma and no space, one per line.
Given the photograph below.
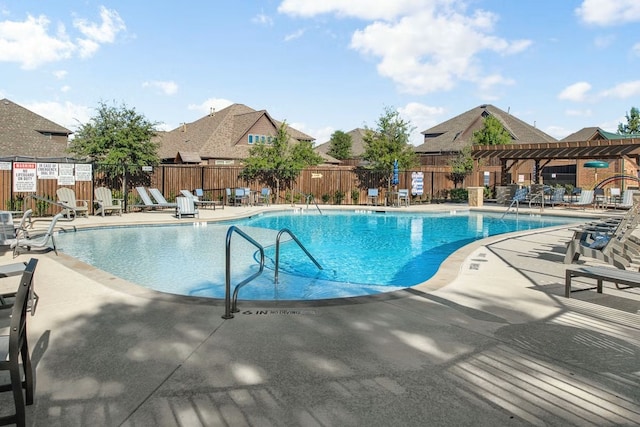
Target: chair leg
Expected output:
[28,374]
[18,399]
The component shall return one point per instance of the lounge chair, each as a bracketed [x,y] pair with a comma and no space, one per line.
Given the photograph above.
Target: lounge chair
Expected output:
[197,201]
[372,196]
[67,197]
[626,200]
[14,351]
[628,278]
[586,199]
[147,203]
[45,241]
[162,202]
[186,207]
[607,241]
[106,202]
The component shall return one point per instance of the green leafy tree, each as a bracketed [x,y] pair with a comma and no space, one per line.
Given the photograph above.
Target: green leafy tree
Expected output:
[633,123]
[461,166]
[492,133]
[389,142]
[119,137]
[340,145]
[280,162]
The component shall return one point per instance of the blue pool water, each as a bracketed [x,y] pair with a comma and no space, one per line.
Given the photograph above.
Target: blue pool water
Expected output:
[361,253]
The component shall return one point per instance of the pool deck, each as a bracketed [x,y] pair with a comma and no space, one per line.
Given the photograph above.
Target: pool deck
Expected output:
[489,341]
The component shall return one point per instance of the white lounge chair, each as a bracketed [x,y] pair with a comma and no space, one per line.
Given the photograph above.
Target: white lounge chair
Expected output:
[186,207]
[197,201]
[67,197]
[147,203]
[586,199]
[45,241]
[106,202]
[157,195]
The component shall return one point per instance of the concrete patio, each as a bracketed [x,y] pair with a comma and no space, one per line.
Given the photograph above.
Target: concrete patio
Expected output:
[489,341]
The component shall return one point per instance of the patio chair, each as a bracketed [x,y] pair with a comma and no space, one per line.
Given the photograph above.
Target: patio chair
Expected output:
[186,207]
[229,196]
[372,196]
[615,196]
[106,202]
[403,197]
[67,197]
[265,196]
[557,196]
[14,349]
[44,241]
[162,202]
[240,197]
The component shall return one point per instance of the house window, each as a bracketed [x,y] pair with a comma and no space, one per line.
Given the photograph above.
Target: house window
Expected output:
[250,139]
[223,162]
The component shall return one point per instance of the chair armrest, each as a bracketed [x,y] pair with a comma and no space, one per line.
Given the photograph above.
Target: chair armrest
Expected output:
[83,202]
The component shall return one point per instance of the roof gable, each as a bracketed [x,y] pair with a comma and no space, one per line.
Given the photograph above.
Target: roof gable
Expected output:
[222,134]
[25,133]
[456,133]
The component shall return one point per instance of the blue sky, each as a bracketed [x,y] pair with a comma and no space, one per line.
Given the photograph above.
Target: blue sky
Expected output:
[326,65]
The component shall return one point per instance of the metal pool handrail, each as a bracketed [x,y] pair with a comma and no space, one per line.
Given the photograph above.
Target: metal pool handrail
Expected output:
[295,239]
[228,307]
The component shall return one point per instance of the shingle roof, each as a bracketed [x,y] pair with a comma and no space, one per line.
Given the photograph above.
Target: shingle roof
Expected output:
[221,134]
[593,133]
[357,143]
[24,133]
[456,133]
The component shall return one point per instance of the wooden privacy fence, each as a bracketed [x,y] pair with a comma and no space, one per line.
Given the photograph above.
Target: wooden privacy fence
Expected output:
[331,185]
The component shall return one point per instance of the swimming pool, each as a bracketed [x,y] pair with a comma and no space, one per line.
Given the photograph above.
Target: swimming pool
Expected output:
[361,252]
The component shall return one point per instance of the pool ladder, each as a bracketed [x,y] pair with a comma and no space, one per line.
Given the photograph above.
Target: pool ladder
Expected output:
[231,300]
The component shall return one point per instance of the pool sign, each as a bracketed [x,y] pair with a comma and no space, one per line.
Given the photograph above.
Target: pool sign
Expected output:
[417,183]
[24,177]
[316,175]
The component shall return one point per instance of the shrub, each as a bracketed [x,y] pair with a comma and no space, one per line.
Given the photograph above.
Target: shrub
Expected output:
[326,198]
[355,196]
[338,197]
[459,194]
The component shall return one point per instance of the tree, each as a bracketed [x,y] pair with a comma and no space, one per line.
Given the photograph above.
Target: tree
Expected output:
[119,137]
[633,123]
[492,133]
[280,162]
[461,166]
[340,145]
[389,142]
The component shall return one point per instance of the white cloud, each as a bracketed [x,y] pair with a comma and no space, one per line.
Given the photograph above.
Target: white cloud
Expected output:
[106,31]
[166,87]
[294,35]
[262,19]
[212,103]
[422,117]
[423,46]
[65,114]
[65,88]
[29,44]
[608,12]
[32,44]
[635,49]
[363,9]
[576,92]
[623,90]
[321,135]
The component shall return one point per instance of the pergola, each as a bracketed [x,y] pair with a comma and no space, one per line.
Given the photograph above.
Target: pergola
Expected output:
[543,153]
